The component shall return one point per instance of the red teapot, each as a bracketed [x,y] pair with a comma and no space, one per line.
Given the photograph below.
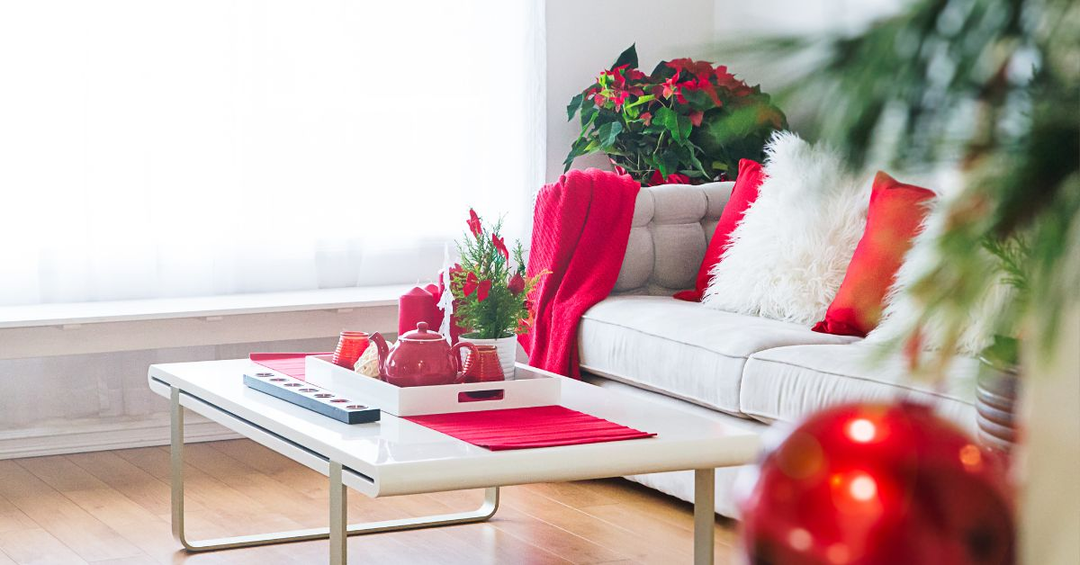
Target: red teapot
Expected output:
[420,358]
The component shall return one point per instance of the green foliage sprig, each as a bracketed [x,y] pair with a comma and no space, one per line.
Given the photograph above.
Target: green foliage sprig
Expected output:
[491,292]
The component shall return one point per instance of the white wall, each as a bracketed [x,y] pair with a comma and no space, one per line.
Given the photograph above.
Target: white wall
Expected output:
[585,36]
[804,16]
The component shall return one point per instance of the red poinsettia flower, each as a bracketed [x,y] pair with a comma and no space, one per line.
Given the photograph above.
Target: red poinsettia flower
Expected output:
[726,80]
[474,223]
[702,84]
[617,75]
[674,178]
[646,117]
[696,116]
[516,284]
[471,282]
[697,68]
[500,246]
[619,99]
[634,74]
[483,289]
[670,87]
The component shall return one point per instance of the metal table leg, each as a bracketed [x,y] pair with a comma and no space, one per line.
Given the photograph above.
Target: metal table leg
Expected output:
[338,530]
[704,515]
[339,517]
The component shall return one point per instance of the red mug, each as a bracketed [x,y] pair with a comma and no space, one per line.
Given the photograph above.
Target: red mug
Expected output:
[483,365]
[351,345]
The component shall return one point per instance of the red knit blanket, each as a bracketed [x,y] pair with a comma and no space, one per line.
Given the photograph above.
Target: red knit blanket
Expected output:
[580,230]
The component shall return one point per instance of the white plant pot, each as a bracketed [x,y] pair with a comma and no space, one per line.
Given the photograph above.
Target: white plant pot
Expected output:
[506,347]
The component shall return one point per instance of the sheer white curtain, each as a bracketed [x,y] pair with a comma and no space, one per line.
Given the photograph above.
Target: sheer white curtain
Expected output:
[160,148]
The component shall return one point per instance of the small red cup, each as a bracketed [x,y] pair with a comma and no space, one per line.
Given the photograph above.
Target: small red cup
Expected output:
[351,345]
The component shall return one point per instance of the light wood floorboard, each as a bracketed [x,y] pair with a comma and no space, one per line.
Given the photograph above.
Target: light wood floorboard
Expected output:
[112,508]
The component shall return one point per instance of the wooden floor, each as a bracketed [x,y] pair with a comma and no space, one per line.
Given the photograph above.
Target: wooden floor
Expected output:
[112,508]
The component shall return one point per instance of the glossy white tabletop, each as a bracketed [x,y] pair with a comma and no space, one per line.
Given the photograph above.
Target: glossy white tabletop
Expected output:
[401,457]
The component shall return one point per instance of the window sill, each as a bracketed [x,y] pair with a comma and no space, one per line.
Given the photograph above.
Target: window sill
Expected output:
[198,307]
[96,327]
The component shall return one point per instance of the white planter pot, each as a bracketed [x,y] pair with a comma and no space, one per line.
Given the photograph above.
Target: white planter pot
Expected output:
[507,348]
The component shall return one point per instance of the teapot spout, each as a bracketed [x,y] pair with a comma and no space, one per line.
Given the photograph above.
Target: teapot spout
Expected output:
[384,352]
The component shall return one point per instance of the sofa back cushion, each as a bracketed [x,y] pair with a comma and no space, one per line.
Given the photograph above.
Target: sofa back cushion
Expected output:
[742,195]
[671,228]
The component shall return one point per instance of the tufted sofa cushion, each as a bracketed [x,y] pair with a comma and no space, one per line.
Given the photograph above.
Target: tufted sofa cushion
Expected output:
[788,383]
[672,226]
[681,349]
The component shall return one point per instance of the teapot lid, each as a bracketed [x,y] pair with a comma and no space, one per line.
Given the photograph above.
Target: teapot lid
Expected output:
[421,333]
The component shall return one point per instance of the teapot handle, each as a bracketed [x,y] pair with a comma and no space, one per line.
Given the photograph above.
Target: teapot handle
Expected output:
[384,352]
[455,358]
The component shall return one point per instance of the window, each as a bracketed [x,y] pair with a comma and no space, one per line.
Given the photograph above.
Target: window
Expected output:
[153,148]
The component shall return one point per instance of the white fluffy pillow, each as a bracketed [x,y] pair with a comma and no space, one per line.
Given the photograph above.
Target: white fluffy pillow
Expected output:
[788,255]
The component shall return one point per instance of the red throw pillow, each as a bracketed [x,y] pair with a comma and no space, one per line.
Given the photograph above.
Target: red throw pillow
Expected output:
[895,214]
[743,195]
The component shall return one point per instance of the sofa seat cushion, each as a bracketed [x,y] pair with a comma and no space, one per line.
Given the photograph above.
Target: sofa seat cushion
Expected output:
[681,349]
[788,383]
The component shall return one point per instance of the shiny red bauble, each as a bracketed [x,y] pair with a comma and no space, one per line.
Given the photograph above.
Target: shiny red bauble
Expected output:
[878,484]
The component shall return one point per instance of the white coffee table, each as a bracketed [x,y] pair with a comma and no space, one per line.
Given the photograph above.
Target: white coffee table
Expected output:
[397,457]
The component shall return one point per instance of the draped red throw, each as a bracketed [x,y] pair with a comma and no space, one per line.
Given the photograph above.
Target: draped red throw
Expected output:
[581,226]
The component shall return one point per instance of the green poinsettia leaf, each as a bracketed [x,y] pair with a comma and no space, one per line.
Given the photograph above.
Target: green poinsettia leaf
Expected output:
[678,125]
[576,150]
[608,133]
[573,106]
[666,118]
[685,127]
[727,135]
[699,168]
[663,71]
[698,99]
[588,116]
[668,163]
[628,57]
[641,100]
[654,129]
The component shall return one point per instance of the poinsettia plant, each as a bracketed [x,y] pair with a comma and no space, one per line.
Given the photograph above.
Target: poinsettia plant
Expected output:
[491,292]
[687,122]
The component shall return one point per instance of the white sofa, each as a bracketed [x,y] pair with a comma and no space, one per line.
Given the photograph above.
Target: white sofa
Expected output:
[751,371]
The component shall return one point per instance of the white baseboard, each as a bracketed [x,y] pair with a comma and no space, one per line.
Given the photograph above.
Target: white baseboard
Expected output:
[83,436]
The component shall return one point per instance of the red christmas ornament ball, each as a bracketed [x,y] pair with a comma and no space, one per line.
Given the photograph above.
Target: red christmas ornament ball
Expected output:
[879,484]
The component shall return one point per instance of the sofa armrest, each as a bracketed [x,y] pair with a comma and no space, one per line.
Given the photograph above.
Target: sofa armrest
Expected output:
[671,229]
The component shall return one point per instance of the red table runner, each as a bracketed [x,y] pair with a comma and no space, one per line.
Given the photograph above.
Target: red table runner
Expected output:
[497,430]
[292,364]
[522,428]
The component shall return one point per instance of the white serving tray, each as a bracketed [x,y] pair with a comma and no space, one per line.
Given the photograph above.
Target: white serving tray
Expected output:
[526,389]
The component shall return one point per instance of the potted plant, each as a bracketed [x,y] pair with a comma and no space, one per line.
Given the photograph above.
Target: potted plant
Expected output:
[998,382]
[687,122]
[491,292]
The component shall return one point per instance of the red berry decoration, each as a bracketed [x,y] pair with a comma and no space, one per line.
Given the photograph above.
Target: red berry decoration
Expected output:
[879,484]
